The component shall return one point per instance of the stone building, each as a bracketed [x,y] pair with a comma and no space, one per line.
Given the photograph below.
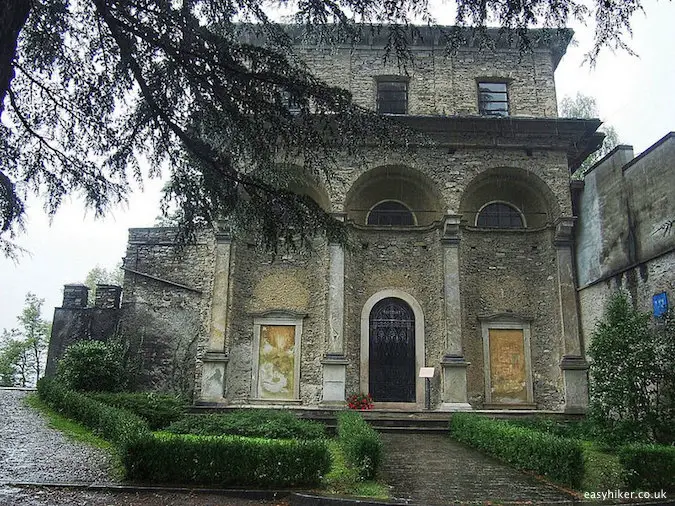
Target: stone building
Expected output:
[460,255]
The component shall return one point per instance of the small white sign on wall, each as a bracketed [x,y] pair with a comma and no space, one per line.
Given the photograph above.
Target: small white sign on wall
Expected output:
[426,372]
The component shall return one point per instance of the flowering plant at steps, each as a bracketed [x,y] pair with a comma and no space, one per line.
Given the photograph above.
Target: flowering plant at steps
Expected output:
[360,401]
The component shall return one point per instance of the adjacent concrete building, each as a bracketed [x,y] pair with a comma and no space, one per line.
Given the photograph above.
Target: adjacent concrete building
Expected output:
[625,234]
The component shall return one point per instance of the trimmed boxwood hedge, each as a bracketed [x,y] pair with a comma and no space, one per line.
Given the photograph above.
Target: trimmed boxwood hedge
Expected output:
[207,460]
[649,467]
[159,410]
[268,423]
[116,425]
[361,444]
[227,460]
[558,458]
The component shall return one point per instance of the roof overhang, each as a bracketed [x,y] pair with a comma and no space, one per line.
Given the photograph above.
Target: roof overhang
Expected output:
[578,138]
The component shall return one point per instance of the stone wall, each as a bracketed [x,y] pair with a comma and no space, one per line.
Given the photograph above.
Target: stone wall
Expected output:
[626,229]
[513,272]
[166,306]
[293,281]
[74,321]
[406,260]
[442,83]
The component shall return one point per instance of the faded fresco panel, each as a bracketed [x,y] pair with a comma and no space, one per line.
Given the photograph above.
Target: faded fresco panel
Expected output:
[507,366]
[276,369]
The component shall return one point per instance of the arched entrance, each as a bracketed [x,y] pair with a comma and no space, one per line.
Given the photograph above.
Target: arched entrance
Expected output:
[391,354]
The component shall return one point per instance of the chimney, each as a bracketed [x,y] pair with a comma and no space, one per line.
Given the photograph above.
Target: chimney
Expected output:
[75,296]
[107,297]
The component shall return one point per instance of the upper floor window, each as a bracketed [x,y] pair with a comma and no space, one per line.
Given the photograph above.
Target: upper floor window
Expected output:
[493,99]
[391,212]
[392,96]
[499,215]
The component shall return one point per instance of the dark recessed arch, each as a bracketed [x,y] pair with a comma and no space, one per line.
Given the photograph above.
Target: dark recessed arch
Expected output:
[399,186]
[522,192]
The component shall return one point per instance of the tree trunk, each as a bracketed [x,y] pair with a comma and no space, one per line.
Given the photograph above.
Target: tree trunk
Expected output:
[13,15]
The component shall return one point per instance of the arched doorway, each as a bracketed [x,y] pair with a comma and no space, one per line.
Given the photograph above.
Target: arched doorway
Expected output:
[391,357]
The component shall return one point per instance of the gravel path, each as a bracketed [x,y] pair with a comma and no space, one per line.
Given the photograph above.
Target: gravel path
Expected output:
[30,451]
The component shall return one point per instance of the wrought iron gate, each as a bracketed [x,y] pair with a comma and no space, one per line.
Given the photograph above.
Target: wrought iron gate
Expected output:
[392,352]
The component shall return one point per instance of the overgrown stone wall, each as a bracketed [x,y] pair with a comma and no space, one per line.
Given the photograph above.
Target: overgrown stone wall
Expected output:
[166,306]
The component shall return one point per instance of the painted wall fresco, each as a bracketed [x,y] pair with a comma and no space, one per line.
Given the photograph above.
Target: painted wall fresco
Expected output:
[507,366]
[276,362]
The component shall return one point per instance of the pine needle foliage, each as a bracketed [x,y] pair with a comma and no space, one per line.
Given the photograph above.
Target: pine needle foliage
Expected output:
[202,88]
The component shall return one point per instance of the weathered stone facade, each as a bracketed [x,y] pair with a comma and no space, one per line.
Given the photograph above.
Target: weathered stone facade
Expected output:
[493,308]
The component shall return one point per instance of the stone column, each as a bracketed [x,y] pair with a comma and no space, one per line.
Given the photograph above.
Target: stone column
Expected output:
[574,366]
[453,365]
[215,359]
[334,362]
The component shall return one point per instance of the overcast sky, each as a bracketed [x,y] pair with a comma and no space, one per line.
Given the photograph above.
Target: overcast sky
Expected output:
[635,95]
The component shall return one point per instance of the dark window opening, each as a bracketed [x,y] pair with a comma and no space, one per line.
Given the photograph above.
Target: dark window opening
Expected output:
[392,97]
[499,215]
[493,99]
[391,213]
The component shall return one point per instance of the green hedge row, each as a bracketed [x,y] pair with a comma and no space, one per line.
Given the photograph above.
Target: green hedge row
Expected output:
[227,461]
[360,443]
[207,460]
[649,467]
[267,423]
[156,409]
[558,458]
[116,425]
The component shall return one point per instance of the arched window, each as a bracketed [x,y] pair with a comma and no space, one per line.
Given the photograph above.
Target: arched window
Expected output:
[499,215]
[391,212]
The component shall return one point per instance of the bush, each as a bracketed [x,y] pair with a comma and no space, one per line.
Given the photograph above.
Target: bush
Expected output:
[116,425]
[558,458]
[632,388]
[649,467]
[267,423]
[227,461]
[360,443]
[93,366]
[156,409]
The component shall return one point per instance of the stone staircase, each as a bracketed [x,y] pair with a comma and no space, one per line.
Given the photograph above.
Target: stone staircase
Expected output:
[393,421]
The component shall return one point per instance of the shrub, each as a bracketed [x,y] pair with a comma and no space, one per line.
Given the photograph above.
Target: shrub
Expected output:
[227,460]
[632,388]
[648,466]
[558,458]
[156,409]
[116,425]
[360,443]
[267,423]
[92,366]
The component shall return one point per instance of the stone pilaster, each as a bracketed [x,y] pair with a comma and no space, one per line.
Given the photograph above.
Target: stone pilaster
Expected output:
[453,365]
[574,366]
[334,362]
[214,362]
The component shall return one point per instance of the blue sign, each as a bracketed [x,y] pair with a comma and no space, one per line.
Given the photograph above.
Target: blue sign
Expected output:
[660,304]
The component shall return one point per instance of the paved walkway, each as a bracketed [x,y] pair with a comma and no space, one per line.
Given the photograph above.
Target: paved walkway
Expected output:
[30,451]
[432,469]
